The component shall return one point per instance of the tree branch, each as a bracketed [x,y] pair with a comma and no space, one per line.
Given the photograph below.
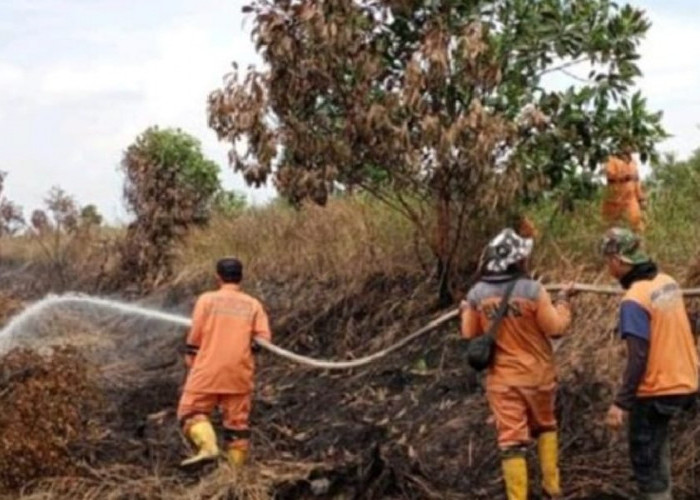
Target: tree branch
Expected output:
[561,67]
[386,200]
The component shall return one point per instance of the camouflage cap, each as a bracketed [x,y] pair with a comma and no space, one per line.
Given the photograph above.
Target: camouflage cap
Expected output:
[506,249]
[625,244]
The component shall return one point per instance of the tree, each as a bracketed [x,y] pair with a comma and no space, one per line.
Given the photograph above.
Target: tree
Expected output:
[90,216]
[230,202]
[40,221]
[674,195]
[11,218]
[437,108]
[670,176]
[63,209]
[54,228]
[169,187]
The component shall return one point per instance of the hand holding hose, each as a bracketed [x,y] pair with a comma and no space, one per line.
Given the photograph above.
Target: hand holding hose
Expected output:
[567,291]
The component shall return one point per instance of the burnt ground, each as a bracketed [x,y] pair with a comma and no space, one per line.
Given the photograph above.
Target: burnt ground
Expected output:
[413,426]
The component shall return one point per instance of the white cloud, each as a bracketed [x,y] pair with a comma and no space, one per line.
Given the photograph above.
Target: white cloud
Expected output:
[671,70]
[10,76]
[667,67]
[101,79]
[77,112]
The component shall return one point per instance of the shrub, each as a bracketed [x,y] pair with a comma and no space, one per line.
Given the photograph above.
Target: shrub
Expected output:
[47,400]
[169,187]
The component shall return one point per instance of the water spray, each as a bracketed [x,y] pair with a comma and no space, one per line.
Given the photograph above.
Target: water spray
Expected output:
[20,321]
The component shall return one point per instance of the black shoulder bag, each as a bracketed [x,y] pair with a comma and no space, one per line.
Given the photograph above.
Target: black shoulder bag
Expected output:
[480,350]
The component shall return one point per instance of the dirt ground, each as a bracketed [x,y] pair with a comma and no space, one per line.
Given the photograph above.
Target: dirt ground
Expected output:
[414,426]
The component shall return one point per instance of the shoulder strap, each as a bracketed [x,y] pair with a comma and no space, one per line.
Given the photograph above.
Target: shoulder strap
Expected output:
[502,308]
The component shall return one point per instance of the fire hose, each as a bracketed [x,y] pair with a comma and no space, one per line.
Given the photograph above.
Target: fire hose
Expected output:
[124,308]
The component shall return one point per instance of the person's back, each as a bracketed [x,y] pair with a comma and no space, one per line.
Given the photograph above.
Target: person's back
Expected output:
[523,356]
[521,384]
[672,364]
[660,379]
[622,178]
[219,355]
[226,321]
[624,196]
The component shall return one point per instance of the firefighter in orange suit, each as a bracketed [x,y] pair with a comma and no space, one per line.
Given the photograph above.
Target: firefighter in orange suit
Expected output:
[521,382]
[219,354]
[624,197]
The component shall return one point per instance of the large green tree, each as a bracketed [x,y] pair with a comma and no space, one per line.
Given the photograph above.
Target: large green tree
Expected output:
[169,186]
[444,109]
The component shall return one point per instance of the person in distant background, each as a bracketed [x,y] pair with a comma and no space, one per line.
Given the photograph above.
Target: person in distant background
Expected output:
[624,197]
[521,381]
[661,378]
[526,227]
[219,355]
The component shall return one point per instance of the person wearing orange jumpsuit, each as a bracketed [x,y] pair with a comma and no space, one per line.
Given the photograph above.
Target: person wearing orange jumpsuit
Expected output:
[521,381]
[219,354]
[624,197]
[526,227]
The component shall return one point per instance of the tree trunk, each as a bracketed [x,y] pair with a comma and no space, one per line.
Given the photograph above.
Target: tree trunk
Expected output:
[445,297]
[442,249]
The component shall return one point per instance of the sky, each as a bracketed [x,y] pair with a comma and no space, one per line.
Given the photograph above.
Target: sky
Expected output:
[80,79]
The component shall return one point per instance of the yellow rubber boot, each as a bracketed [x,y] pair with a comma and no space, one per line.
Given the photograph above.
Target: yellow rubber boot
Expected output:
[237,457]
[548,451]
[515,477]
[204,438]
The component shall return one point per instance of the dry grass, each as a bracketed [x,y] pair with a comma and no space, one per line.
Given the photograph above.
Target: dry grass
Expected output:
[348,239]
[569,242]
[256,482]
[356,238]
[9,306]
[33,247]
[84,259]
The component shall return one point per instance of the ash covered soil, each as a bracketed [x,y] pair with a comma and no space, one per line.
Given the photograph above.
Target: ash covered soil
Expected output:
[412,426]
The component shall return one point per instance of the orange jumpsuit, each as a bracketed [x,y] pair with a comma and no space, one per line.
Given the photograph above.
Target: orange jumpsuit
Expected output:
[220,358]
[624,193]
[521,382]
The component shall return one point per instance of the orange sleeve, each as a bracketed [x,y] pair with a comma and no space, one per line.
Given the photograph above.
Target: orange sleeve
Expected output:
[611,168]
[552,319]
[261,324]
[194,337]
[469,319]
